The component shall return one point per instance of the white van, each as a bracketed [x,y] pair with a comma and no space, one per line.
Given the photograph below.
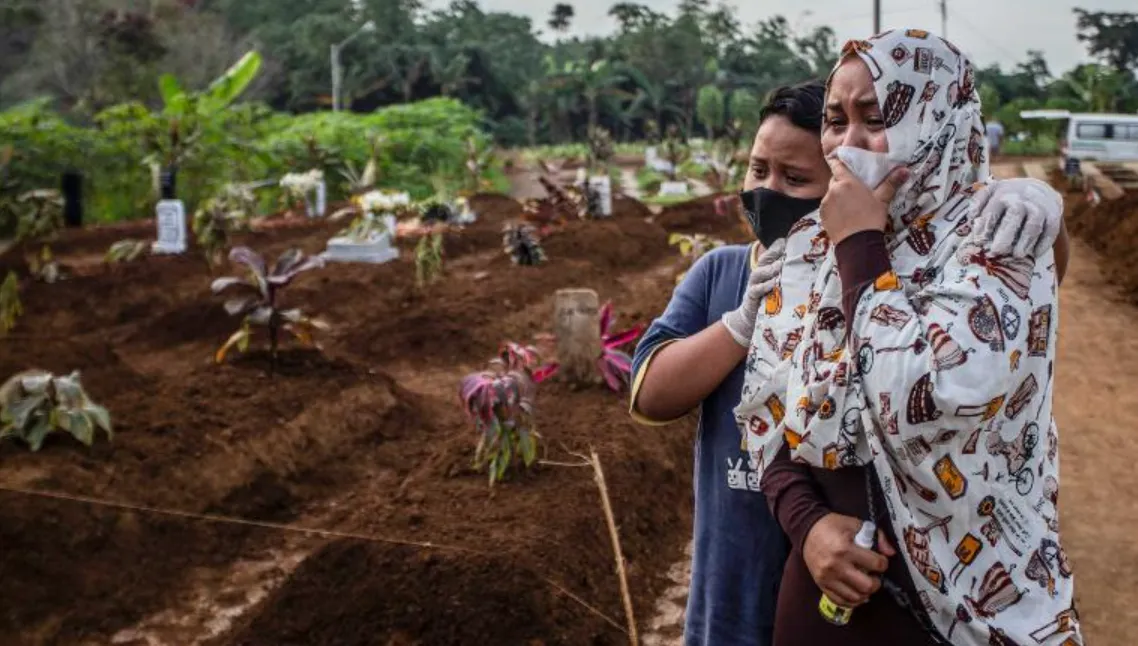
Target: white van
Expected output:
[1094,136]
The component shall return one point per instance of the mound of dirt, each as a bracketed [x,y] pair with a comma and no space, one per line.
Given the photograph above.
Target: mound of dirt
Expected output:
[364,437]
[699,216]
[1110,227]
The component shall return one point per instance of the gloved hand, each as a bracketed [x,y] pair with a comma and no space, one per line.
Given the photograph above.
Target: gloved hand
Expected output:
[1017,217]
[741,322]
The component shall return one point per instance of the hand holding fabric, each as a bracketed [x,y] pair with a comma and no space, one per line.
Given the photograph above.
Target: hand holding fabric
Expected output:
[741,322]
[1017,217]
[850,206]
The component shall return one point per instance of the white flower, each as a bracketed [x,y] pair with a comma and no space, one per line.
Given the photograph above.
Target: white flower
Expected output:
[302,182]
[377,202]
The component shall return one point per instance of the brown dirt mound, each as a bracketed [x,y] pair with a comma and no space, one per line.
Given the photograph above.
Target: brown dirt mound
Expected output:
[331,440]
[1110,228]
[698,216]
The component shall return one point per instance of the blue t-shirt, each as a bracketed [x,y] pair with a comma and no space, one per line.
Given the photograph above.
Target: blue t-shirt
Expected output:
[739,549]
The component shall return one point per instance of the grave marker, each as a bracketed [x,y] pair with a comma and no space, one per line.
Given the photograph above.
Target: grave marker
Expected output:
[170,219]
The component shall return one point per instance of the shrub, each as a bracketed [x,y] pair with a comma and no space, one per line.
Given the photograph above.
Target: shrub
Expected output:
[222,215]
[35,404]
[259,302]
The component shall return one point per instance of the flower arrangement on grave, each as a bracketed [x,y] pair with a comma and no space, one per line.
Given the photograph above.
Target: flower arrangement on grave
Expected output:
[298,187]
[370,210]
[258,302]
[500,402]
[35,404]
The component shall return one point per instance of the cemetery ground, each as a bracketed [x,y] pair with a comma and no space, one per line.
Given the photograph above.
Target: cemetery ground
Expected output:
[367,439]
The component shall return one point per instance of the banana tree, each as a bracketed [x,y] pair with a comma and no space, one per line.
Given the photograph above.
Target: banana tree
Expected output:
[186,115]
[592,81]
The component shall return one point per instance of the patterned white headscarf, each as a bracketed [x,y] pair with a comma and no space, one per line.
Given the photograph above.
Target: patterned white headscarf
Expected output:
[942,382]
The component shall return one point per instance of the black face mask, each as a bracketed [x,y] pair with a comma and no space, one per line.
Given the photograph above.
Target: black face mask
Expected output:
[772,214]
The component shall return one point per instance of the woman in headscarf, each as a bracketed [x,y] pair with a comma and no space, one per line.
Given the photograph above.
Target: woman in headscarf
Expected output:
[903,374]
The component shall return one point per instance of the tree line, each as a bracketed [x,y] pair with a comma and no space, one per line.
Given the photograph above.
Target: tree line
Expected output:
[690,69]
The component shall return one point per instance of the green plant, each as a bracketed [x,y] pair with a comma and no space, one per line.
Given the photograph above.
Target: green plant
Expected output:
[479,158]
[429,259]
[43,266]
[36,404]
[40,214]
[10,306]
[259,301]
[500,402]
[674,150]
[693,247]
[127,250]
[648,180]
[521,244]
[228,212]
[600,150]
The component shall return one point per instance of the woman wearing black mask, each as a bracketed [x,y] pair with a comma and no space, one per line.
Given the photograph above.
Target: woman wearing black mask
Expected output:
[692,355]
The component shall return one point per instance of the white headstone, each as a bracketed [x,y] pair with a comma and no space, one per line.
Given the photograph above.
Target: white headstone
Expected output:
[661,165]
[673,188]
[602,184]
[650,154]
[321,199]
[377,249]
[170,216]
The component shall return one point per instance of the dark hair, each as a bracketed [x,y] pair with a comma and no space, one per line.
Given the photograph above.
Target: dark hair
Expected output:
[802,104]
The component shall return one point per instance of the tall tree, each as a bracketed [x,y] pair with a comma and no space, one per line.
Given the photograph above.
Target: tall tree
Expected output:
[1110,36]
[561,17]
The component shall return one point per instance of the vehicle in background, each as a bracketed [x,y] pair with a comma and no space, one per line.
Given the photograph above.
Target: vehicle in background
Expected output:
[1090,136]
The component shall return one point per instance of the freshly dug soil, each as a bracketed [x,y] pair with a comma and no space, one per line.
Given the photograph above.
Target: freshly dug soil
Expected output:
[365,437]
[699,216]
[1109,227]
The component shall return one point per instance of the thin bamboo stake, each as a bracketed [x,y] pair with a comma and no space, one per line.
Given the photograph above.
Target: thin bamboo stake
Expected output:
[619,555]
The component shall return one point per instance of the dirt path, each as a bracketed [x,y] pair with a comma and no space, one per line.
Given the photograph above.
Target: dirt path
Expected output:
[1096,407]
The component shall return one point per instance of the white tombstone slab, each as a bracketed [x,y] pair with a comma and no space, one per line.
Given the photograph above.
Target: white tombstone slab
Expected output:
[661,165]
[673,188]
[321,200]
[170,217]
[602,184]
[377,249]
[650,154]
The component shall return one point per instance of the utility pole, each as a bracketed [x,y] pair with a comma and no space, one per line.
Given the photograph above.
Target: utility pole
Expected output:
[876,17]
[944,19]
[337,69]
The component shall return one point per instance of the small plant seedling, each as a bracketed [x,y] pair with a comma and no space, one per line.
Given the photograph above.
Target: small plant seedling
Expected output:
[35,404]
[259,302]
[522,245]
[693,247]
[674,150]
[222,215]
[43,266]
[10,306]
[429,259]
[615,365]
[363,181]
[500,402]
[479,158]
[127,250]
[40,214]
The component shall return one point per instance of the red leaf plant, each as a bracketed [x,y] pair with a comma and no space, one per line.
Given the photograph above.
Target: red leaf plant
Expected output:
[614,364]
[500,402]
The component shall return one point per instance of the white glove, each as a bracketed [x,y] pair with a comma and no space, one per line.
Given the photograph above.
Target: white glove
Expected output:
[741,322]
[1017,217]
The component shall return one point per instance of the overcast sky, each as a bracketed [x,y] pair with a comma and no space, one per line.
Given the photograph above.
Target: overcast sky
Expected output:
[990,31]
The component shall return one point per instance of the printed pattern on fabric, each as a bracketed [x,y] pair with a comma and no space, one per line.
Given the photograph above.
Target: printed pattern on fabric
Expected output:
[941,379]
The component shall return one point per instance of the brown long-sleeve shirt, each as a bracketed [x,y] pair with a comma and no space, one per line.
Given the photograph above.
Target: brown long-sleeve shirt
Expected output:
[800,495]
